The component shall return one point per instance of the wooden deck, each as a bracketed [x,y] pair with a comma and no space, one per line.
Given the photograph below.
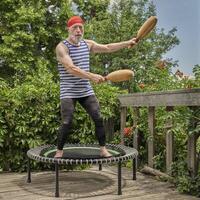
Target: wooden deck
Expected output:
[90,184]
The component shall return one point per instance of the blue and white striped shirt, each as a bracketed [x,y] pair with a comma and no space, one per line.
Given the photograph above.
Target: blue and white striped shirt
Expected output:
[70,85]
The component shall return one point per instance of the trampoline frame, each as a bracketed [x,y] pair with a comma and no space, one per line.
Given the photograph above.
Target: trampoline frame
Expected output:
[130,154]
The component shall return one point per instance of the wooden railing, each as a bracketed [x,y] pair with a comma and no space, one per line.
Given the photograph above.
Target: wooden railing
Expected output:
[169,99]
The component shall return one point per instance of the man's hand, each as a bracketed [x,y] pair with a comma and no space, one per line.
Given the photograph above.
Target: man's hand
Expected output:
[96,78]
[132,42]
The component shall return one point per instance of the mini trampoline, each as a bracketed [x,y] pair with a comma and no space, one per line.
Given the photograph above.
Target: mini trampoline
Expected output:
[82,154]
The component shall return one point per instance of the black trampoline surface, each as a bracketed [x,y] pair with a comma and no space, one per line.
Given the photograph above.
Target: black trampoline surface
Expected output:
[82,153]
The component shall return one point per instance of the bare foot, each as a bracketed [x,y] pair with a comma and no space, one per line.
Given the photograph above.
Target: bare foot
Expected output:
[104,152]
[59,154]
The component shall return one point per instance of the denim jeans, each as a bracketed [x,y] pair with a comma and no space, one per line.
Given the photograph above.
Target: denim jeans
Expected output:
[91,105]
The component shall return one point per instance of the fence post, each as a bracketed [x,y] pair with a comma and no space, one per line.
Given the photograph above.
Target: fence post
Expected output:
[151,125]
[123,123]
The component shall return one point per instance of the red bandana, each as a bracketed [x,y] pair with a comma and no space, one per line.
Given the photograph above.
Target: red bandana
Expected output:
[73,20]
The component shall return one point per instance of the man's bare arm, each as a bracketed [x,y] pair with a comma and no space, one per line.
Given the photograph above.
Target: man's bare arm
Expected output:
[63,57]
[108,48]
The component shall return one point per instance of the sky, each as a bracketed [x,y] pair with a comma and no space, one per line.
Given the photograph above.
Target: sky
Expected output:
[185,16]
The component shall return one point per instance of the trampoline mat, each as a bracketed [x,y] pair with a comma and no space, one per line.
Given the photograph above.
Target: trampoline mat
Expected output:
[80,153]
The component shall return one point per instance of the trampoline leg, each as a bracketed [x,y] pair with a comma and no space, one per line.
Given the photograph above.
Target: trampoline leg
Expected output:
[119,178]
[57,179]
[134,168]
[100,167]
[29,171]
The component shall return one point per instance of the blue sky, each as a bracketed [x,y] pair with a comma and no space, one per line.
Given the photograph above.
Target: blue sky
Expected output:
[185,16]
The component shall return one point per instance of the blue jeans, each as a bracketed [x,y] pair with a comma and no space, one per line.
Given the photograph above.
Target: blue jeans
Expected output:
[91,105]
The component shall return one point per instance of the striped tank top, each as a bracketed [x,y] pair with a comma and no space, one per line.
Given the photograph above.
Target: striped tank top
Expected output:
[70,85]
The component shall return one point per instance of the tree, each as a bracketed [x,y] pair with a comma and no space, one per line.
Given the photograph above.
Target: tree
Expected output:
[121,22]
[30,31]
[196,71]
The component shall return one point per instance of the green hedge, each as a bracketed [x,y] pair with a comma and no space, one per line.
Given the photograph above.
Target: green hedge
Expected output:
[30,116]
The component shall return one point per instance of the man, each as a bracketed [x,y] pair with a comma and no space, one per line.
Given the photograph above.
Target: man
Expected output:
[73,65]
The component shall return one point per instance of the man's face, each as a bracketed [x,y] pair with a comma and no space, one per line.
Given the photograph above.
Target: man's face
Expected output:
[76,32]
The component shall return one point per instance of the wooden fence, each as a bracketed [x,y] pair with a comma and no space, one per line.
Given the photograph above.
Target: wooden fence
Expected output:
[168,99]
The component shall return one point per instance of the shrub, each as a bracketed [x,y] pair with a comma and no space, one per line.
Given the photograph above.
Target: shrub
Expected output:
[30,117]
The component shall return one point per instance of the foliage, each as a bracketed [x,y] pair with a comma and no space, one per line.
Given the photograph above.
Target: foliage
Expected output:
[121,23]
[92,9]
[29,31]
[30,117]
[196,71]
[184,182]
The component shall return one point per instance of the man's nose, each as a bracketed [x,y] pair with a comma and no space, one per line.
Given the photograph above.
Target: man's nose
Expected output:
[78,29]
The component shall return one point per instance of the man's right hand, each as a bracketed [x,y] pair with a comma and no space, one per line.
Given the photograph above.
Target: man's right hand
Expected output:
[96,78]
